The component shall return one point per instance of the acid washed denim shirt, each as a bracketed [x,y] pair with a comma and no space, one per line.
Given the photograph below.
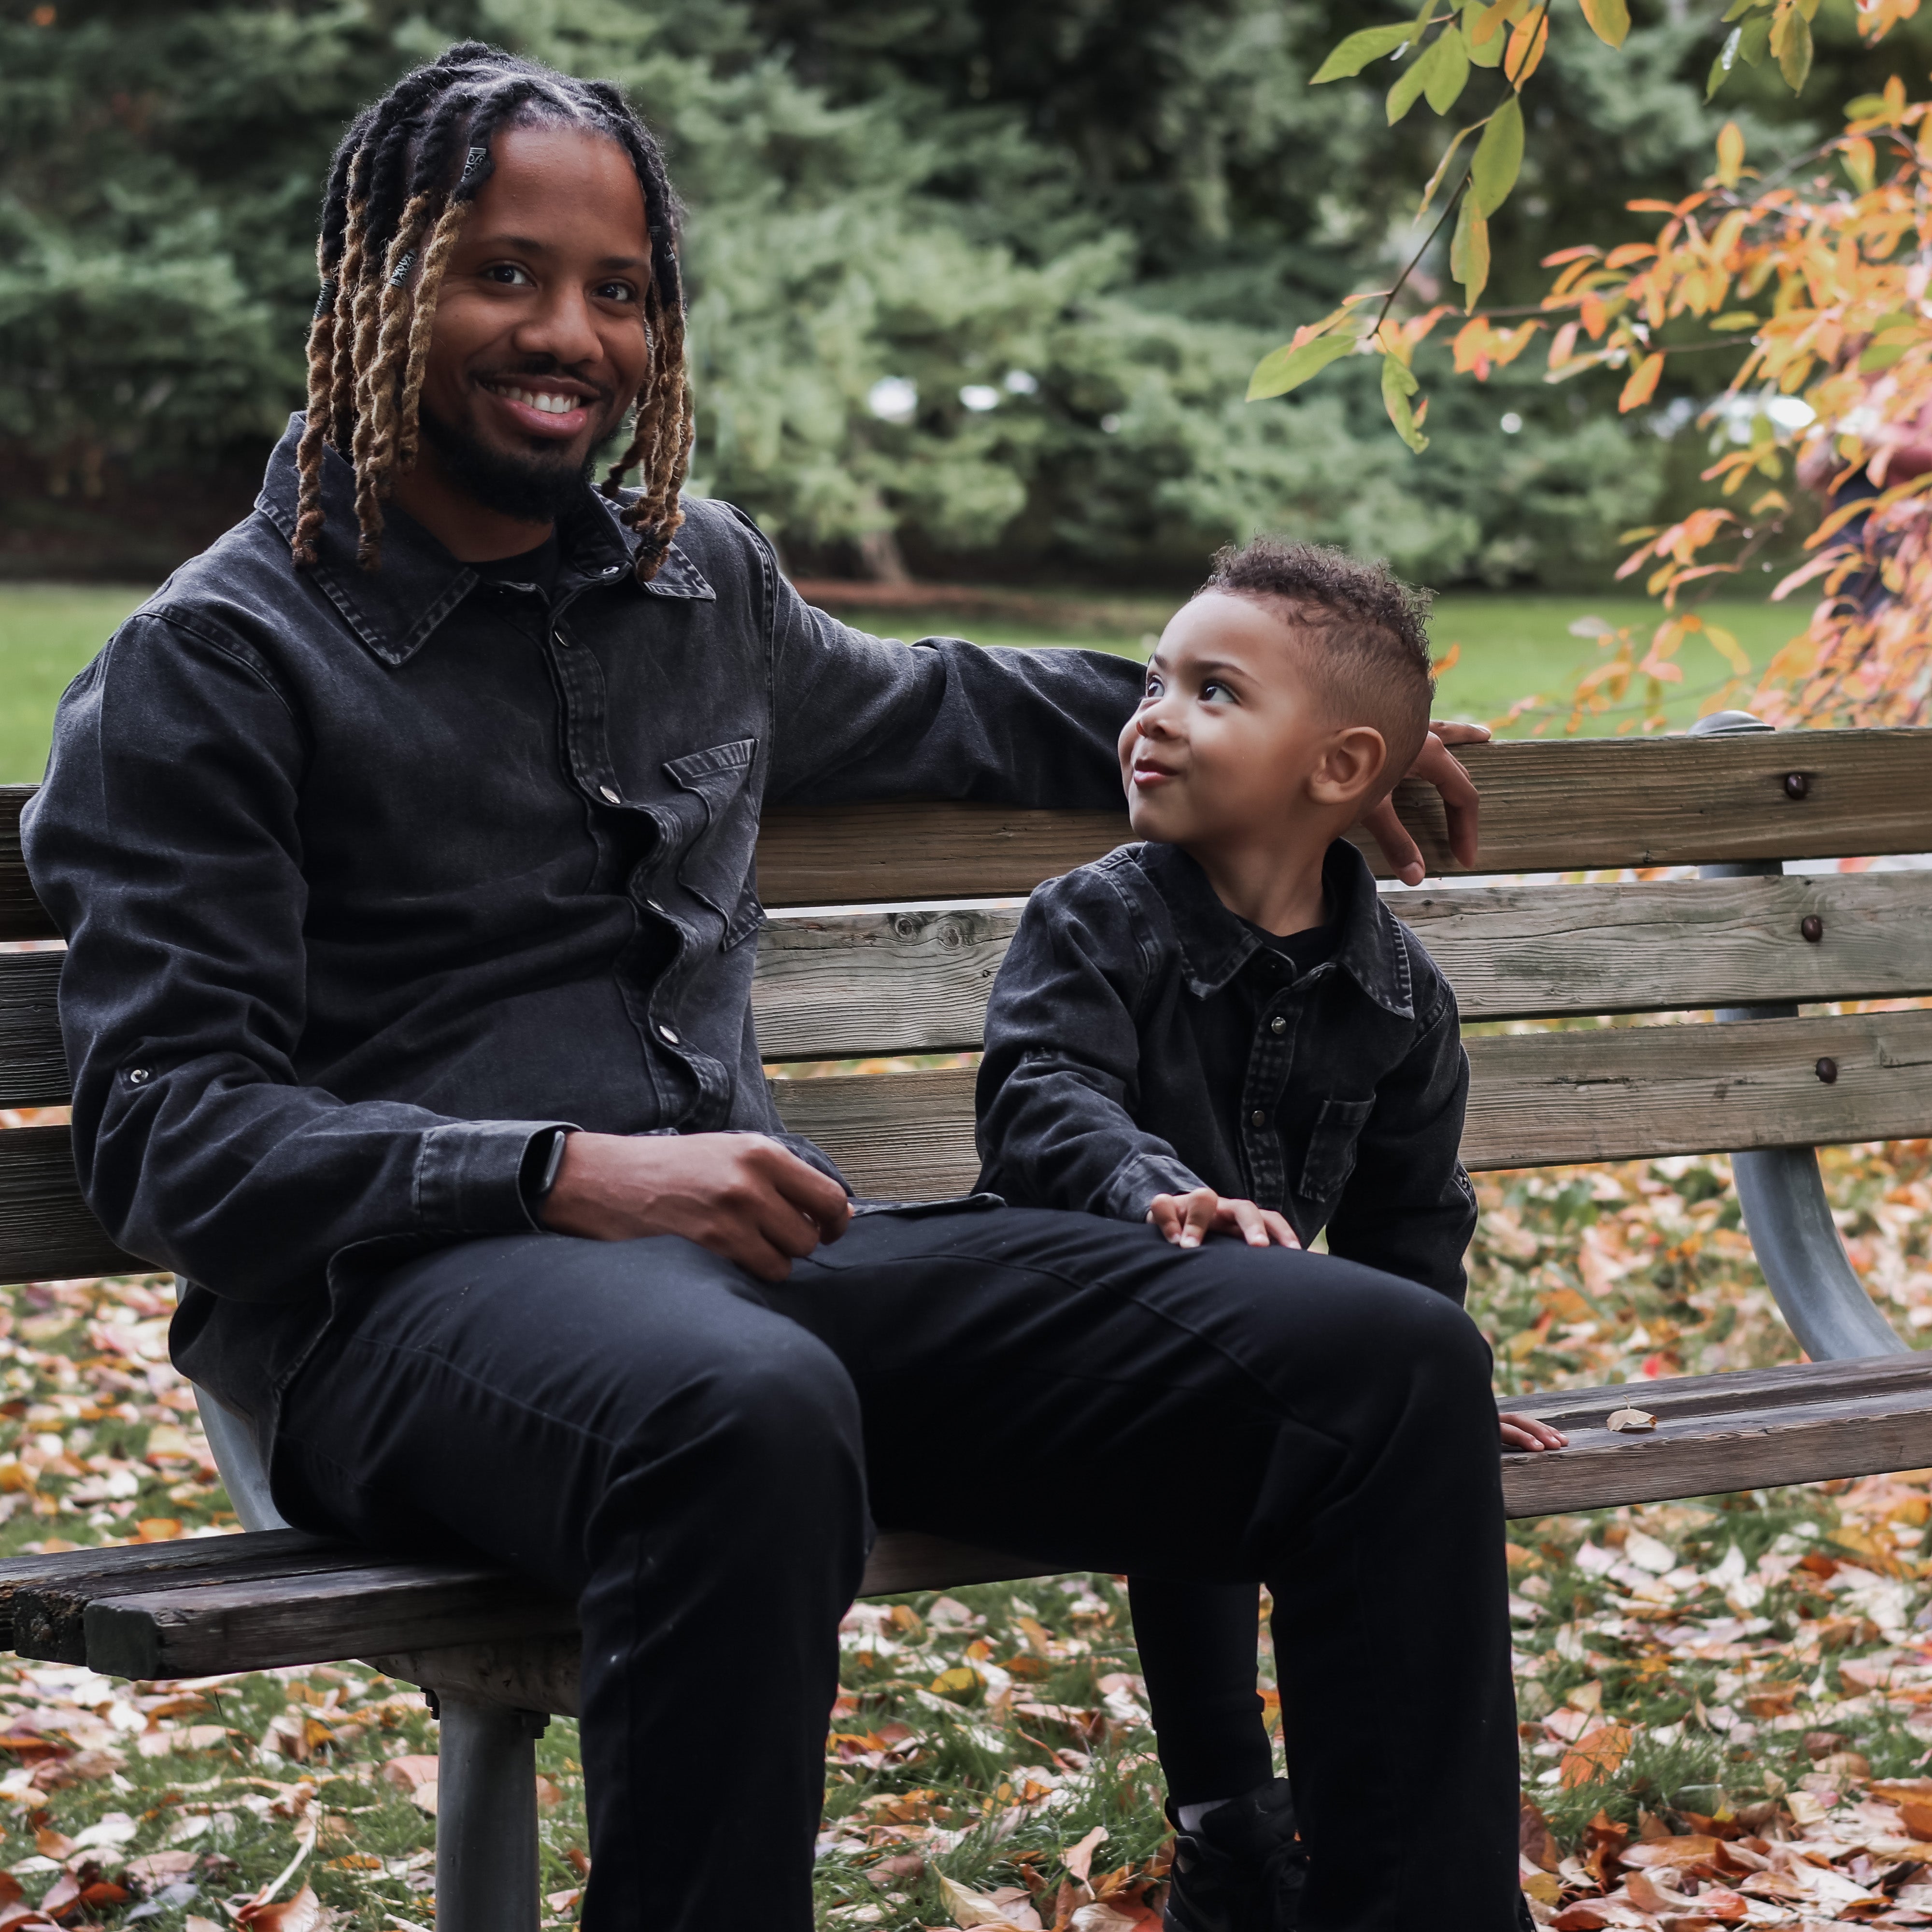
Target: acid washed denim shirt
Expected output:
[369,879]
[1142,1039]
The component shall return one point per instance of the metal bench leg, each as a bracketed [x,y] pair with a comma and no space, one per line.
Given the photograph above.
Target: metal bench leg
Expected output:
[1782,1193]
[486,1816]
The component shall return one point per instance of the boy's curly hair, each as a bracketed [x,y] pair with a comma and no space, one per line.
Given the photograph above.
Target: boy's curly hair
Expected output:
[1366,633]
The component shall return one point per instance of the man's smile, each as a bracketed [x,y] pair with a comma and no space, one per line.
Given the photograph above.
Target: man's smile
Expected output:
[555,407]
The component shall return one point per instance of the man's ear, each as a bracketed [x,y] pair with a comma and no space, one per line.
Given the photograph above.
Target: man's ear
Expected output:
[1348,768]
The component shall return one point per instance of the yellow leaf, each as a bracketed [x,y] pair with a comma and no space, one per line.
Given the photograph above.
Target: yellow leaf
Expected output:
[962,1680]
[1642,384]
[1399,384]
[1730,153]
[1526,44]
[1727,647]
[1609,20]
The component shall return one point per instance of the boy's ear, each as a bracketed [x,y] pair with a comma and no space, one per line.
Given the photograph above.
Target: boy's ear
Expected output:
[1350,767]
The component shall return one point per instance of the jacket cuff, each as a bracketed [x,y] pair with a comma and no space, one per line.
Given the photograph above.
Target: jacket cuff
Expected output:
[469,1175]
[1138,1179]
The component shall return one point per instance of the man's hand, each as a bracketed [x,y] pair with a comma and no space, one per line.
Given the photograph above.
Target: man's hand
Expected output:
[1460,804]
[1187,1219]
[1526,1431]
[741,1195]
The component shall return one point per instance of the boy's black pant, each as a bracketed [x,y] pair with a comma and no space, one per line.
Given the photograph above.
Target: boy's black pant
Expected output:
[695,1454]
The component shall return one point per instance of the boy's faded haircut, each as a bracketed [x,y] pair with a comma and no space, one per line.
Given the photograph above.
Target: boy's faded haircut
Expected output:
[1365,634]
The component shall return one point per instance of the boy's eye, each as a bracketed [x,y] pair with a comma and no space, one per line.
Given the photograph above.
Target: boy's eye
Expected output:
[1155,689]
[1214,688]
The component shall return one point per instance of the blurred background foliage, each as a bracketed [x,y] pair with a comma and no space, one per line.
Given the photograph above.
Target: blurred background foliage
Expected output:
[977,284]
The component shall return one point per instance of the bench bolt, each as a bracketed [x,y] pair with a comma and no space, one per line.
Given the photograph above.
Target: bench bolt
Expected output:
[1797,784]
[1813,927]
[1827,1070]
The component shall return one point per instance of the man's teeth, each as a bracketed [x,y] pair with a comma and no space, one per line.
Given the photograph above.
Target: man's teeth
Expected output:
[540,399]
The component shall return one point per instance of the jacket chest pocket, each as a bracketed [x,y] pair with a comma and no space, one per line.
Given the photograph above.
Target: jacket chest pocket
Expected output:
[1331,1148]
[716,866]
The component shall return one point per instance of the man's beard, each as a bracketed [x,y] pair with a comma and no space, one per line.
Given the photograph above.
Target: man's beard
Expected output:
[532,489]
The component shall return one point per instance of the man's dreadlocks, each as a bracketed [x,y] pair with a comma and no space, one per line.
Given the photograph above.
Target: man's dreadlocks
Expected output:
[400,184]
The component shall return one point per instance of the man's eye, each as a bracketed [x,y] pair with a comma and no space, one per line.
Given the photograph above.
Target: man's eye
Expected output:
[508,274]
[617,292]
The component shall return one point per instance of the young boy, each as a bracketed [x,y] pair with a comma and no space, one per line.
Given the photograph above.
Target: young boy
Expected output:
[1223,1031]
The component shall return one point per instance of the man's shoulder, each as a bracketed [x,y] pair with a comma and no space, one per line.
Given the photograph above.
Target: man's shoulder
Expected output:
[235,594]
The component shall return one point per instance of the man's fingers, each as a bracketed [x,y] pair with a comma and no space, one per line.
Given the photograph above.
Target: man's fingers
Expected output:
[1461,804]
[1519,1439]
[1453,731]
[1164,1213]
[817,1196]
[1403,854]
[1530,1431]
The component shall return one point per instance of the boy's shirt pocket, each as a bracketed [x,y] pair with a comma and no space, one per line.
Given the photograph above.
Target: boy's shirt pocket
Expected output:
[1331,1159]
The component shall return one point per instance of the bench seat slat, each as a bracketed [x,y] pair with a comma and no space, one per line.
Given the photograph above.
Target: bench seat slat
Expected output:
[1715,1433]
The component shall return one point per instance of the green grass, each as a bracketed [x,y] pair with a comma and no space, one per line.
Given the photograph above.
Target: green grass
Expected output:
[1511,647]
[48,632]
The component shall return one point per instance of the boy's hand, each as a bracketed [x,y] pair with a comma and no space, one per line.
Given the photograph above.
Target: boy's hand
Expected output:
[1526,1431]
[1187,1219]
[1460,803]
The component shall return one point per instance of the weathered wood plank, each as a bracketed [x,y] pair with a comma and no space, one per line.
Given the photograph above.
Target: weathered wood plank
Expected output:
[1576,805]
[1633,1092]
[50,1612]
[384,1606]
[1816,1423]
[151,1565]
[1546,807]
[915,979]
[1535,1099]
[33,1064]
[47,1232]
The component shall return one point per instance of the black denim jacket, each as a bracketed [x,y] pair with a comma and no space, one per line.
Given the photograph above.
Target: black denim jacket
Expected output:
[369,879]
[1142,1039]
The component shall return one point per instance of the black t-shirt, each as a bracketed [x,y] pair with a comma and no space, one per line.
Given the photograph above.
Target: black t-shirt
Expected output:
[535,567]
[1301,951]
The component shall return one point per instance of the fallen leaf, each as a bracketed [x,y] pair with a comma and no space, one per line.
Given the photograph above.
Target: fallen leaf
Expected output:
[1079,1862]
[972,1908]
[1630,1421]
[301,1913]
[415,1777]
[156,1869]
[1595,1755]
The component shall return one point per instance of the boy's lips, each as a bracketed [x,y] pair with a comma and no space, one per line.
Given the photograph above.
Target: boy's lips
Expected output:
[1147,776]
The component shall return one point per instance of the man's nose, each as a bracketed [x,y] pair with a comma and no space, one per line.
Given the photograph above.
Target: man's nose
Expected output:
[561,328]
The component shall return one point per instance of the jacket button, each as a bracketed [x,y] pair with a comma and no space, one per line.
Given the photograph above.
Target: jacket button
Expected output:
[139,1076]
[668,1034]
[1277,1024]
[1258,1118]
[608,794]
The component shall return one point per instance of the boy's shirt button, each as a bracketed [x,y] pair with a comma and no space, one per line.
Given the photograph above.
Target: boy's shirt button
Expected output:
[1278,1025]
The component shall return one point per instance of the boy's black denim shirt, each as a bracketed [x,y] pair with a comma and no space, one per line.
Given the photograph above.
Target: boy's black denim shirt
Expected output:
[1143,1040]
[369,879]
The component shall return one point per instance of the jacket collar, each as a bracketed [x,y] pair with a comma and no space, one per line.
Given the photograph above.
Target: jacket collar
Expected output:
[395,610]
[1215,944]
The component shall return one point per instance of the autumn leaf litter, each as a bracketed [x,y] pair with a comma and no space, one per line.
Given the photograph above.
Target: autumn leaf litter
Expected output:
[1727,1705]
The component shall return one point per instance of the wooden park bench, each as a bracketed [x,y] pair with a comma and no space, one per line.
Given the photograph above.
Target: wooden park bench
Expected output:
[889,922]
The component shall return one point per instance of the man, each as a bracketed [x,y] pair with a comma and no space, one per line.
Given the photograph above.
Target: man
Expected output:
[407,880]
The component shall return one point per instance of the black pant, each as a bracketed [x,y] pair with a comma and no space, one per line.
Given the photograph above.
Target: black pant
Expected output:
[695,1454]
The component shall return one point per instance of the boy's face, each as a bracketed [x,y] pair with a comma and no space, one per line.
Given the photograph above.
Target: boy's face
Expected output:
[1231,743]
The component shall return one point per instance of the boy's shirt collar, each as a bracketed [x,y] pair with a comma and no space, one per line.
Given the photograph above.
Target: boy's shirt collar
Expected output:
[1216,944]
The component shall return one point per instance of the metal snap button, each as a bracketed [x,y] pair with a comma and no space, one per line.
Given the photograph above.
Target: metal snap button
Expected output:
[668,1034]
[1258,1118]
[1277,1024]
[610,795]
[139,1076]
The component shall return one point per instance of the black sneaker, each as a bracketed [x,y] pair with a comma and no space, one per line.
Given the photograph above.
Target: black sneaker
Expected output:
[1242,1871]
